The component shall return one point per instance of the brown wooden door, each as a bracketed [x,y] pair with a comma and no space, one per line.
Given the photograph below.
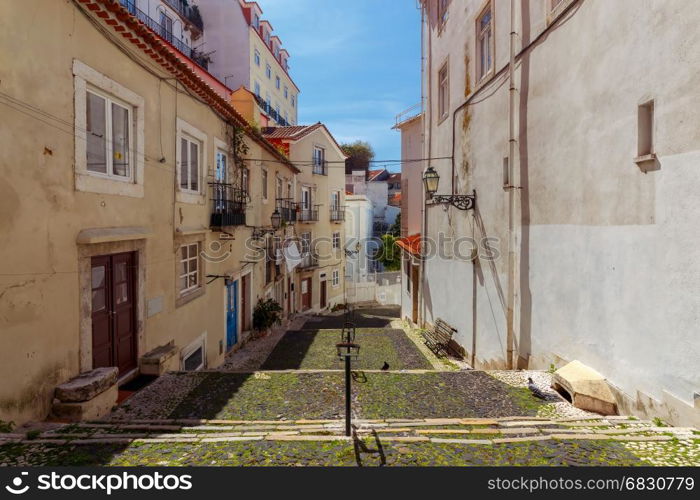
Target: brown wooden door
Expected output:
[306,294]
[245,287]
[324,284]
[114,311]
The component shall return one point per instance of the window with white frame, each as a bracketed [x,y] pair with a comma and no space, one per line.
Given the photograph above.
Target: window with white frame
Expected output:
[335,200]
[268,71]
[245,183]
[280,193]
[257,89]
[190,163]
[264,184]
[278,82]
[484,42]
[189,268]
[109,125]
[444,90]
[293,100]
[336,240]
[256,21]
[305,198]
[335,278]
[193,356]
[256,57]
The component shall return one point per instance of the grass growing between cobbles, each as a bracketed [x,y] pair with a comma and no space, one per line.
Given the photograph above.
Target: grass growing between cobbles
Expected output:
[368,452]
[316,349]
[275,396]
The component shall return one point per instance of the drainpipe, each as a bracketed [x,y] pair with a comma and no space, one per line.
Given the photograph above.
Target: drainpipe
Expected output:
[512,242]
[426,61]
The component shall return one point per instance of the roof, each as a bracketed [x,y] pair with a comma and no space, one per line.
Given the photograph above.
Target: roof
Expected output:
[412,244]
[118,19]
[395,177]
[395,200]
[294,133]
[373,174]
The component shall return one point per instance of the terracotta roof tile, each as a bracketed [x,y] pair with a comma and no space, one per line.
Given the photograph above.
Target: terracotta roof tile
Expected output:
[411,244]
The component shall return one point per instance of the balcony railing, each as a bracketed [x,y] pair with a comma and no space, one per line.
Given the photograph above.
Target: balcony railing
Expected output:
[308,260]
[271,112]
[308,214]
[228,205]
[320,167]
[164,33]
[337,214]
[287,209]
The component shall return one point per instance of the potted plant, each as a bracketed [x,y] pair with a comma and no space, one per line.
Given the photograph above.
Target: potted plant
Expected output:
[265,315]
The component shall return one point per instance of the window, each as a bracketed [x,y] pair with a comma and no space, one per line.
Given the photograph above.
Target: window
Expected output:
[109,135]
[443,91]
[336,278]
[335,200]
[245,185]
[277,52]
[645,129]
[257,57]
[484,43]
[270,260]
[189,164]
[305,198]
[280,193]
[264,184]
[189,273]
[257,89]
[286,117]
[293,100]
[336,240]
[267,99]
[193,357]
[268,71]
[256,21]
[108,129]
[319,155]
[278,82]
[442,12]
[267,38]
[286,92]
[166,27]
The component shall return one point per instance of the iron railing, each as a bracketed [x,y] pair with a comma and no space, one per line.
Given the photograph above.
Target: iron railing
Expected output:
[320,167]
[337,214]
[164,33]
[271,112]
[228,205]
[308,259]
[308,214]
[287,209]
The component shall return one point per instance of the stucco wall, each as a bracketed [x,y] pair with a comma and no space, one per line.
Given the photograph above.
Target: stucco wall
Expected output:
[608,260]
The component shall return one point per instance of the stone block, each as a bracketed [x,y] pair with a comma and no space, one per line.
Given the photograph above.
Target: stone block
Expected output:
[96,408]
[588,389]
[87,385]
[159,361]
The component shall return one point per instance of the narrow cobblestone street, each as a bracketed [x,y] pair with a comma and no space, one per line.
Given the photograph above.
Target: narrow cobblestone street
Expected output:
[289,412]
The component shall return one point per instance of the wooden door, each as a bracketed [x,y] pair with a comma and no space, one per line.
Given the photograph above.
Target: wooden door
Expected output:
[245,288]
[306,294]
[114,311]
[324,285]
[231,315]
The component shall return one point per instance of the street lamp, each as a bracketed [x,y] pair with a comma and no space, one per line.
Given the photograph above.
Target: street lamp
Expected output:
[347,351]
[276,219]
[431,180]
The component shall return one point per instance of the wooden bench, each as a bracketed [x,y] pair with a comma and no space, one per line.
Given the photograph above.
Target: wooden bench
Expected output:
[438,338]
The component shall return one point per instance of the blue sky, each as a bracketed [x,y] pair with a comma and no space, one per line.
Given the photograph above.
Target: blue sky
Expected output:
[357,63]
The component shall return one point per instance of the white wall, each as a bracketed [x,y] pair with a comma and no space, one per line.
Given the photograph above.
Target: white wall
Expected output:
[608,260]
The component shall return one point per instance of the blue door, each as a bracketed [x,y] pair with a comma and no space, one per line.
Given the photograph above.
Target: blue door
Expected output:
[231,315]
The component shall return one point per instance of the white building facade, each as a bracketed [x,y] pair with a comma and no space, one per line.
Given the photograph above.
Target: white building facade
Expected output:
[579,135]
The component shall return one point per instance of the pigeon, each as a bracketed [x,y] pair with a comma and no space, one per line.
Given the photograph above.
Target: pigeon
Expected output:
[385,367]
[534,389]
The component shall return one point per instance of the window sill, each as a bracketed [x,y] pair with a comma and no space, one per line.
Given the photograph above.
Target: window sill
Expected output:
[189,297]
[190,197]
[92,183]
[443,118]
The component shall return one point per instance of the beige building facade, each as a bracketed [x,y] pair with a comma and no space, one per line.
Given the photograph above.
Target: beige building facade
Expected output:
[583,174]
[128,209]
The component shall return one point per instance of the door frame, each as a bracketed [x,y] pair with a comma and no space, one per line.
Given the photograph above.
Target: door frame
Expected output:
[86,251]
[233,285]
[238,276]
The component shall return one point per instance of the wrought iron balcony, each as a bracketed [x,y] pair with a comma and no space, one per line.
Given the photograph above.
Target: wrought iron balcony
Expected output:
[271,112]
[337,214]
[308,260]
[308,214]
[228,205]
[165,33]
[320,167]
[287,209]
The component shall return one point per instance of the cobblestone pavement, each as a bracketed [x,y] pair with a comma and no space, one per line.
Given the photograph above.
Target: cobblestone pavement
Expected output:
[316,349]
[292,395]
[454,441]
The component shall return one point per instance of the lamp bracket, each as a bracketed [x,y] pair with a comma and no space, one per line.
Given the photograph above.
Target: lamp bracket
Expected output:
[459,201]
